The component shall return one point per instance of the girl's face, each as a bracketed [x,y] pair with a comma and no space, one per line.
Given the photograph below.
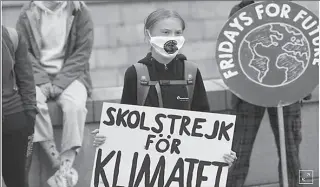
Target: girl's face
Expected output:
[167,27]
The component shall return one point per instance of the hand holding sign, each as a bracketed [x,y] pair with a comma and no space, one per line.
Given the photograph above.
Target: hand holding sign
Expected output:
[98,138]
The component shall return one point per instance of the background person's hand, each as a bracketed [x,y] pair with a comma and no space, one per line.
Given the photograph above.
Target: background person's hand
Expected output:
[46,88]
[230,158]
[55,91]
[98,138]
[32,113]
[31,118]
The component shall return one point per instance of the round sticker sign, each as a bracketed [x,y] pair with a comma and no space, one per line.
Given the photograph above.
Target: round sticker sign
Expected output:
[268,53]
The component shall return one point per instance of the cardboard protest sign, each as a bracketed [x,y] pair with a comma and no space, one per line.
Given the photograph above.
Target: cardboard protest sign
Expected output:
[268,53]
[156,147]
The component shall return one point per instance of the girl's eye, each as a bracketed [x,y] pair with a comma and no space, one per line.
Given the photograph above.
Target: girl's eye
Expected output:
[166,32]
[179,33]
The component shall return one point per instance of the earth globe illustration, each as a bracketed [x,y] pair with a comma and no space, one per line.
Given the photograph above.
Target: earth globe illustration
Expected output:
[274,54]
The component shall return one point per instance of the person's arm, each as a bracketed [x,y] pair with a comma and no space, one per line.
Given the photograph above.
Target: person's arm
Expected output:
[24,76]
[40,75]
[129,92]
[75,64]
[200,99]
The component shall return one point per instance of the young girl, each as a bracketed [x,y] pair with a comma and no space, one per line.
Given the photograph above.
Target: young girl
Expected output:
[164,32]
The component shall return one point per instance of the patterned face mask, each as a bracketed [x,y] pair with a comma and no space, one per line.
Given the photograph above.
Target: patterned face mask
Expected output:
[167,46]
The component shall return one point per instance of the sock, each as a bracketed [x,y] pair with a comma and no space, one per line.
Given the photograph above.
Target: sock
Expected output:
[67,158]
[52,152]
[66,169]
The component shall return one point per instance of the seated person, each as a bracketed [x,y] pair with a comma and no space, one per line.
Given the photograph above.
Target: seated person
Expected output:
[60,48]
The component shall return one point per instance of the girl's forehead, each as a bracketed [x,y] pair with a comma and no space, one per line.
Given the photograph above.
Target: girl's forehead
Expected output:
[168,23]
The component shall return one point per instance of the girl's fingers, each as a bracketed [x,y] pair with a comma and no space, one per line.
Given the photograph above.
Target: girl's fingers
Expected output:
[228,156]
[100,137]
[97,143]
[233,156]
[228,160]
[99,140]
[95,131]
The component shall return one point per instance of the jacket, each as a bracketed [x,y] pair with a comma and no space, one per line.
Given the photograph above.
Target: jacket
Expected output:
[18,86]
[78,48]
[157,71]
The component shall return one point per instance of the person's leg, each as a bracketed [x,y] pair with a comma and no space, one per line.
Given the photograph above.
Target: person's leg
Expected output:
[14,147]
[247,125]
[293,138]
[43,130]
[73,103]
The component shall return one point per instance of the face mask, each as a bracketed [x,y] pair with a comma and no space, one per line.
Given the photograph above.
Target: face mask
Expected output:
[167,46]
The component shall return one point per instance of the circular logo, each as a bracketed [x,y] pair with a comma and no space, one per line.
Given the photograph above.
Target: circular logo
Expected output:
[274,54]
[268,53]
[170,46]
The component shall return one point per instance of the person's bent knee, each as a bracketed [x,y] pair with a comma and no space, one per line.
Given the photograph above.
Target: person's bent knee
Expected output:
[72,106]
[40,97]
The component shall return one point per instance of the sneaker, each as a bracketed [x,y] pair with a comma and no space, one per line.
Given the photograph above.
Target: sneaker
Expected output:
[71,177]
[57,180]
[69,173]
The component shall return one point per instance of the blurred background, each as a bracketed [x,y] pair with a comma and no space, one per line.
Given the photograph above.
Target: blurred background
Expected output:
[119,42]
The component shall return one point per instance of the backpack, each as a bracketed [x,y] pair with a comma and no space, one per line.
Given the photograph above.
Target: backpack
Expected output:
[144,82]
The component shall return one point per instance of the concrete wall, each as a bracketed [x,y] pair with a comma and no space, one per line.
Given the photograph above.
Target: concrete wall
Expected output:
[119,42]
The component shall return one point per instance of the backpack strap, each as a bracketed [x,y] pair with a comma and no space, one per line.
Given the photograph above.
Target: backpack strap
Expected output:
[143,86]
[158,89]
[144,83]
[13,34]
[190,74]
